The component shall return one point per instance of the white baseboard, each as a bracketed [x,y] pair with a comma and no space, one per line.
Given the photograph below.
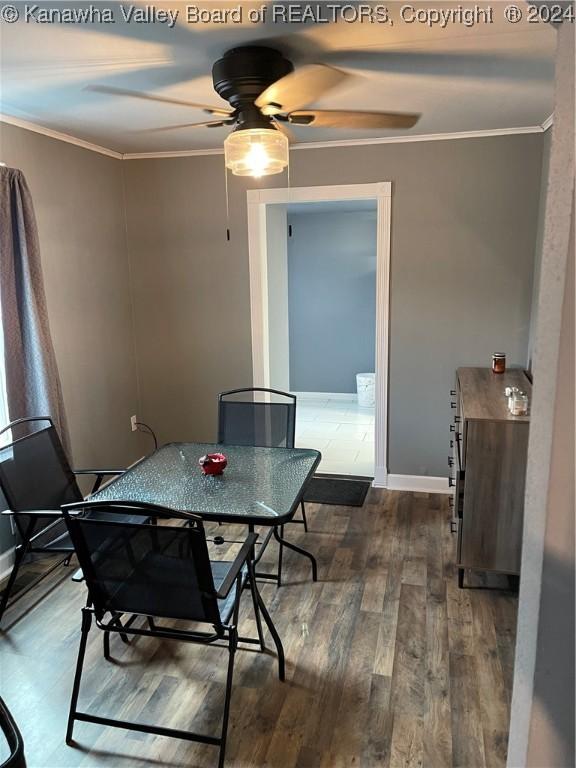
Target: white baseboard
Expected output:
[6,562]
[350,396]
[419,483]
[380,478]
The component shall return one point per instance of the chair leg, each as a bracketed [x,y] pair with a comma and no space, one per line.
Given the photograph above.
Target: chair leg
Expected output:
[86,623]
[305,521]
[233,642]
[118,621]
[20,554]
[123,636]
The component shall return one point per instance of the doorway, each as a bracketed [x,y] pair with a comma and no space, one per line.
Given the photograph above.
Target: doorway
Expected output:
[350,429]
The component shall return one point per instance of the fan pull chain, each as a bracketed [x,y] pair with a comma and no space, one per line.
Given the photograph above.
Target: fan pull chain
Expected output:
[288,169]
[227,203]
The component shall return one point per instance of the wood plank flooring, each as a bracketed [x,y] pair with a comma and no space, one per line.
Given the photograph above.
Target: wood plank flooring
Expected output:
[389,664]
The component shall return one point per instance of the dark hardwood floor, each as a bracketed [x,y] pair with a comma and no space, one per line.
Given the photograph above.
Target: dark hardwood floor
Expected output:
[388,663]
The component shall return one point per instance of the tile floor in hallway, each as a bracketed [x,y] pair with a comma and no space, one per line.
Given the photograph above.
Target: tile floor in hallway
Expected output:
[340,429]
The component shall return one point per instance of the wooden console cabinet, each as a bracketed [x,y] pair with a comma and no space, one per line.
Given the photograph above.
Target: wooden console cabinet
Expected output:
[489,449]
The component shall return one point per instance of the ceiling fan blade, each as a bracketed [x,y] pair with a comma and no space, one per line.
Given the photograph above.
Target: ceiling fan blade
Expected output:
[335,118]
[206,124]
[283,128]
[299,88]
[147,97]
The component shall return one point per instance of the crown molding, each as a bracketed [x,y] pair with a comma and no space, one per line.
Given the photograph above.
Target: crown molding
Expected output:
[419,137]
[59,136]
[176,153]
[548,122]
[354,142]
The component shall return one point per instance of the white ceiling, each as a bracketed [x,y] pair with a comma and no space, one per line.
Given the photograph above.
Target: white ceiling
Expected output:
[484,77]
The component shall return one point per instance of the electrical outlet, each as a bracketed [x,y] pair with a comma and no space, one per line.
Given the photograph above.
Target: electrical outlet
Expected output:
[134,423]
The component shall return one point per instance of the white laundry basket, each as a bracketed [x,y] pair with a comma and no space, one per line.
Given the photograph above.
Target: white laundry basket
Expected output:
[365,387]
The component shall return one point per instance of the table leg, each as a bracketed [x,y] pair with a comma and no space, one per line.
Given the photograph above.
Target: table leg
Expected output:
[280,555]
[260,575]
[300,551]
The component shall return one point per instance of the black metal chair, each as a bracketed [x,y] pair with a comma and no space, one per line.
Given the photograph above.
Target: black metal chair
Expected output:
[269,422]
[36,480]
[160,572]
[258,417]
[13,739]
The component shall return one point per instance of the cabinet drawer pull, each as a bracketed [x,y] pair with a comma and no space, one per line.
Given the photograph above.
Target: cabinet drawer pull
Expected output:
[452,404]
[451,443]
[451,482]
[453,393]
[450,461]
[452,428]
[456,419]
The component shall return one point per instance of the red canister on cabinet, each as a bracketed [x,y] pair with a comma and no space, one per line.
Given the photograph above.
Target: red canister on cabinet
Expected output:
[498,362]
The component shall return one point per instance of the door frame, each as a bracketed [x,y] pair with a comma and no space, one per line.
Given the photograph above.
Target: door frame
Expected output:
[257,200]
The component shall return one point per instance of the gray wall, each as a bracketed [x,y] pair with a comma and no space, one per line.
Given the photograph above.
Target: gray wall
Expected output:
[79,207]
[464,219]
[464,216]
[332,299]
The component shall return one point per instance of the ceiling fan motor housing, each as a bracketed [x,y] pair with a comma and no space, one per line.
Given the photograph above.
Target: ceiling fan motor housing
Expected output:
[242,74]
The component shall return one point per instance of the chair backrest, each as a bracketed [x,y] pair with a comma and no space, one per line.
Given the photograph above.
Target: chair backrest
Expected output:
[257,417]
[153,570]
[34,470]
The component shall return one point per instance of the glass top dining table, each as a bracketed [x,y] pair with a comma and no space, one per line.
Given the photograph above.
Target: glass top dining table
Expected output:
[261,486]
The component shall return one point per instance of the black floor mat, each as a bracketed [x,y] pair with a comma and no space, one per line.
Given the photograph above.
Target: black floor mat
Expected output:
[335,490]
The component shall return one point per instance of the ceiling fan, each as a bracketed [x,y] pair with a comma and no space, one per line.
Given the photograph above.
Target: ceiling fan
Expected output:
[266,94]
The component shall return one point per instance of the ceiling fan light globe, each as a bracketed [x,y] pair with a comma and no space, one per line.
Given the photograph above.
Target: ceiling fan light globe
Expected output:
[256,152]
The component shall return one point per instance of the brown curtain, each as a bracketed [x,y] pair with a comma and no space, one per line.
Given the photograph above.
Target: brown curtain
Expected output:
[32,379]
